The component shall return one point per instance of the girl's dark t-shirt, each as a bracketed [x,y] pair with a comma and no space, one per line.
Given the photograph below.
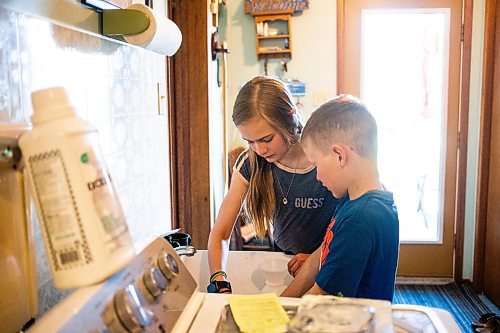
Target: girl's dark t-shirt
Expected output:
[300,225]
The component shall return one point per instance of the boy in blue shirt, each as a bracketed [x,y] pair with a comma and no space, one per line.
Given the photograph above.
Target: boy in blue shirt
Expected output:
[359,254]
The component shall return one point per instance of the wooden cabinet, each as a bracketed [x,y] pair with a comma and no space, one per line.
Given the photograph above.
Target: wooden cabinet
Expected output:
[273,34]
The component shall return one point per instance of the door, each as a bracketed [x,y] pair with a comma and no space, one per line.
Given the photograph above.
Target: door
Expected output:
[403,59]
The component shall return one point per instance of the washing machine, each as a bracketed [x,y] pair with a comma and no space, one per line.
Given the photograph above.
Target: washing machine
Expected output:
[157,292]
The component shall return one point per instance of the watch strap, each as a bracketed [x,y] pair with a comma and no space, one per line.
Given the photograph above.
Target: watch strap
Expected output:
[216,286]
[217,274]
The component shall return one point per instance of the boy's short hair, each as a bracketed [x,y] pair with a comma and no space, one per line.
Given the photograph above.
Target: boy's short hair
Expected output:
[346,120]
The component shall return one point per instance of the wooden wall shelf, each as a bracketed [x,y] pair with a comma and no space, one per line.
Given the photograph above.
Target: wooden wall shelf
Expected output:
[273,34]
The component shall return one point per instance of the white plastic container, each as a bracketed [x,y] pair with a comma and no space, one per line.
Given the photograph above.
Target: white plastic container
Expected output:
[86,235]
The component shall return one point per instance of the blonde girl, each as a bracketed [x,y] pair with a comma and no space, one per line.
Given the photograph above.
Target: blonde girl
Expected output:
[273,182]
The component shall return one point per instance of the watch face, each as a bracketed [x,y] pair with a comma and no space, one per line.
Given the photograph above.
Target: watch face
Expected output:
[211,288]
[215,286]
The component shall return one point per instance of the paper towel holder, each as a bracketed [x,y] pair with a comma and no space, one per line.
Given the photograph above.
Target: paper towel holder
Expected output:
[123,22]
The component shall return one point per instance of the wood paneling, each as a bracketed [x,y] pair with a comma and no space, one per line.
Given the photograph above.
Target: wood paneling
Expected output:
[484,144]
[189,123]
[487,242]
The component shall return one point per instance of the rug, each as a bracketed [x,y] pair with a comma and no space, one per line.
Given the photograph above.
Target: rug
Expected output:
[459,300]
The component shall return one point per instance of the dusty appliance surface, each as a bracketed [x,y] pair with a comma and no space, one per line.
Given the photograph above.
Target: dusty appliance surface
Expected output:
[157,292]
[224,321]
[406,319]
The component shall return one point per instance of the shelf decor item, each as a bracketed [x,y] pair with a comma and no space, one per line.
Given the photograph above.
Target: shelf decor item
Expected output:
[255,7]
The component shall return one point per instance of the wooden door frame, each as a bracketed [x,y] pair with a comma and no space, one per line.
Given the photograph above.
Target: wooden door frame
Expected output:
[188,123]
[492,27]
[463,119]
[463,130]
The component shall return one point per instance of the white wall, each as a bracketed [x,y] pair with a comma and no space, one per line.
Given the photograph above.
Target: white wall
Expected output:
[314,56]
[216,135]
[314,60]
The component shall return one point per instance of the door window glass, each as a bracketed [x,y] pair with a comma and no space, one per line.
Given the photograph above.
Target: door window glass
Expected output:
[404,72]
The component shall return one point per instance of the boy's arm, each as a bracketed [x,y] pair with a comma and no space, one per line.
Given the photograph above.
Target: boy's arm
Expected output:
[316,290]
[304,280]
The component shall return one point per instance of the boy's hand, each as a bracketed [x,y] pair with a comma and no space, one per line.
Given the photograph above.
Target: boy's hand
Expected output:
[296,262]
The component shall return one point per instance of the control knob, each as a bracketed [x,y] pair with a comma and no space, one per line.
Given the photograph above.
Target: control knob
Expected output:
[168,265]
[154,281]
[129,309]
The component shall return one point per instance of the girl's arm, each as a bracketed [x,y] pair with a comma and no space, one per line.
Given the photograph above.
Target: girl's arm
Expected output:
[218,241]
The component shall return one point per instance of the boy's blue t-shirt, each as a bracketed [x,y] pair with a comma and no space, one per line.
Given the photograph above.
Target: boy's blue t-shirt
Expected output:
[359,254]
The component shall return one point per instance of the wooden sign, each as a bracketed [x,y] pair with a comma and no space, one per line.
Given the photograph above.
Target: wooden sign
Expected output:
[255,7]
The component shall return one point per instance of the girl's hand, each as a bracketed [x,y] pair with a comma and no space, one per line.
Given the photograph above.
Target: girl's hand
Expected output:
[296,262]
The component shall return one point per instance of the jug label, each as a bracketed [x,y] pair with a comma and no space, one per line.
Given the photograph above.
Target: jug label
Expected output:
[63,226]
[103,196]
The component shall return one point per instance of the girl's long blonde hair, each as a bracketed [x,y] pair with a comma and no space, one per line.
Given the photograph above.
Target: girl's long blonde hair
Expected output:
[269,98]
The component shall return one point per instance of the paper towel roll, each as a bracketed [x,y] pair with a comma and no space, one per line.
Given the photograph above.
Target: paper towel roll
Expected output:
[162,36]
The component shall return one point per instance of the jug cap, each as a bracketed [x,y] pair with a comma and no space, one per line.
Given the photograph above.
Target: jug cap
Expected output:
[50,103]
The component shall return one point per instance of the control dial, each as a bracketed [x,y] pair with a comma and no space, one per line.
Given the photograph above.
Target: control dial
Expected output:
[130,310]
[168,265]
[154,281]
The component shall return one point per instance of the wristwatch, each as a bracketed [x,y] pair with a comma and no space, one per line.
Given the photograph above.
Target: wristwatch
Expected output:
[215,286]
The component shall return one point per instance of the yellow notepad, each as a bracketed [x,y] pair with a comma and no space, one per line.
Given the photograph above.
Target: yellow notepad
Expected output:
[258,313]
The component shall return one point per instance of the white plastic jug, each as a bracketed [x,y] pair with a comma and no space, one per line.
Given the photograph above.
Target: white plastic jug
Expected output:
[86,235]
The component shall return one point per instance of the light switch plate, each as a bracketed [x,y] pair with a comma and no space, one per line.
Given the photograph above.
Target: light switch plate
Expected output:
[162,98]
